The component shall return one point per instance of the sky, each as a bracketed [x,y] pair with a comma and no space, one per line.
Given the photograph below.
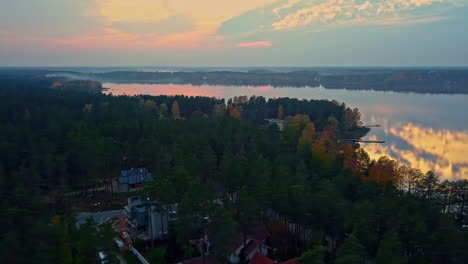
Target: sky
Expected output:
[234,33]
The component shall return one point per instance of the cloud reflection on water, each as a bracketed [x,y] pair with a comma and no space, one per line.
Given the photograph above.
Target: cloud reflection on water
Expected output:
[425,131]
[442,151]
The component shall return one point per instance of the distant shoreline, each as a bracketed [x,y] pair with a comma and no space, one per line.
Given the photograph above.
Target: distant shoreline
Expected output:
[417,81]
[425,81]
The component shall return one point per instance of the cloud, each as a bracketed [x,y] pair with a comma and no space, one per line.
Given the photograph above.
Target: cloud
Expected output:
[134,10]
[49,18]
[255,44]
[207,13]
[175,24]
[313,12]
[320,15]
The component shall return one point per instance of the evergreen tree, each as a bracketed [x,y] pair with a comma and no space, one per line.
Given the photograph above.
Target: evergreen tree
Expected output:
[316,255]
[351,252]
[390,251]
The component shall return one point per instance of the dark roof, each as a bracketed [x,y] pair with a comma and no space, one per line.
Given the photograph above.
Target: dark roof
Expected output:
[259,232]
[251,246]
[260,259]
[199,260]
[134,176]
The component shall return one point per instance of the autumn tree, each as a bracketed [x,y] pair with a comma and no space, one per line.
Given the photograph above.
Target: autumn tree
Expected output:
[384,170]
[235,112]
[281,112]
[175,110]
[219,110]
[352,118]
[307,138]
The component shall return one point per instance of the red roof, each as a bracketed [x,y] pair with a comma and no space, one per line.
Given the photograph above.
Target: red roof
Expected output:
[260,259]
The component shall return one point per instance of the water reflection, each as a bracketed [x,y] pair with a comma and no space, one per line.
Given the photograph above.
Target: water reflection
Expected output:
[442,151]
[426,131]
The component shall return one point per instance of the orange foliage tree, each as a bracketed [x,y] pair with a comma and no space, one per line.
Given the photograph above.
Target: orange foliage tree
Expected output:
[235,112]
[175,110]
[384,170]
[307,137]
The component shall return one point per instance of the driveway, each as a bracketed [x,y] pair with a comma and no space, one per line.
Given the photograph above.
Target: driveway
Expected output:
[100,218]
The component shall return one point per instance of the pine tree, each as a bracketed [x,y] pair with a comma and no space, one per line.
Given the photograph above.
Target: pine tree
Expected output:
[351,252]
[316,255]
[390,251]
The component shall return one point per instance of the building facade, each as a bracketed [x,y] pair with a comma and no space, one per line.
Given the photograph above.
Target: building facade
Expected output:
[133,179]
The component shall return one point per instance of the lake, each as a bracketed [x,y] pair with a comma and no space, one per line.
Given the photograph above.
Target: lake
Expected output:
[425,131]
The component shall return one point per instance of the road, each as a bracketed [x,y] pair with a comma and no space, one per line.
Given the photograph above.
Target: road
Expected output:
[100,218]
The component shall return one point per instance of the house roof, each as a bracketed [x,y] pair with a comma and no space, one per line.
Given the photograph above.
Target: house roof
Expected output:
[274,120]
[251,246]
[199,260]
[260,259]
[134,176]
[259,232]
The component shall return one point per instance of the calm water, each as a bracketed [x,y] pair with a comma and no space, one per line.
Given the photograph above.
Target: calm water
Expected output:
[425,131]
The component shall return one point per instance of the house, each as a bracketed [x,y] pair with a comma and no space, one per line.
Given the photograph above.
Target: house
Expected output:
[278,122]
[255,242]
[149,221]
[260,259]
[133,179]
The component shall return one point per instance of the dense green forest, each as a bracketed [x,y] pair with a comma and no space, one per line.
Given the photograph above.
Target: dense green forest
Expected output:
[351,208]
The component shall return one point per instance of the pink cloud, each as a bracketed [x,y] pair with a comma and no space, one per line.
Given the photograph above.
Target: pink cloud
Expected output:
[255,44]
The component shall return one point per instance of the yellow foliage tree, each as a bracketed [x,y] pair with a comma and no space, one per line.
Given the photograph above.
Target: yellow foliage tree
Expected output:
[307,137]
[235,112]
[219,110]
[175,110]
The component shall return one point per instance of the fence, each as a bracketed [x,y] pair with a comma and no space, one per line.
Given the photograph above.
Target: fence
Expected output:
[139,256]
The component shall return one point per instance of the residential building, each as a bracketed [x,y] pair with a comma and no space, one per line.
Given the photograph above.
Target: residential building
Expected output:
[148,220]
[255,242]
[133,179]
[278,122]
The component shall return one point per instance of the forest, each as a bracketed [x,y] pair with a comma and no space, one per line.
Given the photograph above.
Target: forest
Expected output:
[351,208]
[447,81]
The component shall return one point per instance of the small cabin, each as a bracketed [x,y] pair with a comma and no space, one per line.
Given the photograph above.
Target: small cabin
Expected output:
[278,122]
